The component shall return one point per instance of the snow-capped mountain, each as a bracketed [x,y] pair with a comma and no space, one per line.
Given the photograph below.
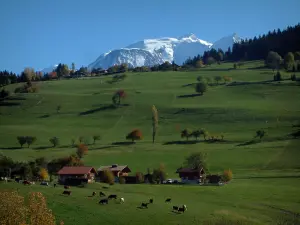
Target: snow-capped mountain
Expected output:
[151,52]
[49,69]
[226,42]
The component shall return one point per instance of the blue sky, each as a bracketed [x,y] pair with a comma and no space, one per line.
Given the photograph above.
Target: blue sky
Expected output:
[40,33]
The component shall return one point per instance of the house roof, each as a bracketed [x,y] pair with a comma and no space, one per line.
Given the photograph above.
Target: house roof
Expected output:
[76,170]
[114,167]
[188,170]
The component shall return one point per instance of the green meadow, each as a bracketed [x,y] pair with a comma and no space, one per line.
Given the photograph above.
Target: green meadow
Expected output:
[265,187]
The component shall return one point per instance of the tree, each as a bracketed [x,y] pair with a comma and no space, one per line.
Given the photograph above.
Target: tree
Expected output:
[136,134]
[30,140]
[210,60]
[227,175]
[22,140]
[28,74]
[154,122]
[235,66]
[289,61]
[297,56]
[80,139]
[73,67]
[186,133]
[260,133]
[220,56]
[96,137]
[159,174]
[54,141]
[201,79]
[120,94]
[58,108]
[218,78]
[196,161]
[227,79]
[139,177]
[197,133]
[62,70]
[199,64]
[82,150]
[273,60]
[201,87]
[108,177]
[123,67]
[122,180]
[44,174]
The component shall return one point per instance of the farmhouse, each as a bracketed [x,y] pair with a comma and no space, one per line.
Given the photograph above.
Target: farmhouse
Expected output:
[188,175]
[117,170]
[76,175]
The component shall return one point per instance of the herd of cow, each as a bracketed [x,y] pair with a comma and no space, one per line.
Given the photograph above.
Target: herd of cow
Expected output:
[143,205]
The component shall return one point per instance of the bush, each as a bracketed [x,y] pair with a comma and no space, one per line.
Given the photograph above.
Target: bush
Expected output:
[4,93]
[108,177]
[136,134]
[54,141]
[122,180]
[227,175]
[139,177]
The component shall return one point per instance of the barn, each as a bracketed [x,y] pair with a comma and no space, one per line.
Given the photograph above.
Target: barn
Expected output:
[75,175]
[117,170]
[189,175]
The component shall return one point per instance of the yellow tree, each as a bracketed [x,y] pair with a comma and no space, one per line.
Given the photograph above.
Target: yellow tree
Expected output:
[82,150]
[154,122]
[44,174]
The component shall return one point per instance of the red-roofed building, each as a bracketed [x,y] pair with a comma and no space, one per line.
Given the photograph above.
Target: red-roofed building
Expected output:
[189,175]
[76,175]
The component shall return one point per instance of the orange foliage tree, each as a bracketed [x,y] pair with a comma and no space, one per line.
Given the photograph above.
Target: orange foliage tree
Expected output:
[227,79]
[13,209]
[227,175]
[120,94]
[82,150]
[44,174]
[136,134]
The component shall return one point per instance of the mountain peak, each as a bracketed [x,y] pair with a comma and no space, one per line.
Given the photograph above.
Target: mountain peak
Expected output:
[190,35]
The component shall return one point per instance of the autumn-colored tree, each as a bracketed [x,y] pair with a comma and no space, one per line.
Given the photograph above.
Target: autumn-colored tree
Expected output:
[21,140]
[96,137]
[154,122]
[199,64]
[186,133]
[82,150]
[134,135]
[44,174]
[14,211]
[108,177]
[139,177]
[227,175]
[159,174]
[29,74]
[120,94]
[52,75]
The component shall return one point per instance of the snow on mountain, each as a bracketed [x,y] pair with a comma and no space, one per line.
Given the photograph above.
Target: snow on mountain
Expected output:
[132,56]
[226,42]
[49,69]
[150,52]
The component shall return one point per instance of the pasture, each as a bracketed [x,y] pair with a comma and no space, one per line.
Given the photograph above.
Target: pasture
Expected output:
[266,173]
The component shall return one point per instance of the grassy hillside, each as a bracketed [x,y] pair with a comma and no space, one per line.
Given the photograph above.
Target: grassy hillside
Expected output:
[235,111]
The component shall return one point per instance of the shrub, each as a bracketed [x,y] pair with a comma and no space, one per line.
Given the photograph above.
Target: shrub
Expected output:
[96,137]
[4,93]
[139,177]
[136,134]
[54,141]
[227,175]
[22,140]
[122,180]
[201,87]
[108,177]
[82,150]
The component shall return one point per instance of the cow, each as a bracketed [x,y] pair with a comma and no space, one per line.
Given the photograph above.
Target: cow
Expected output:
[94,193]
[103,201]
[175,208]
[183,209]
[122,200]
[168,200]
[144,205]
[151,200]
[102,194]
[66,187]
[112,196]
[66,193]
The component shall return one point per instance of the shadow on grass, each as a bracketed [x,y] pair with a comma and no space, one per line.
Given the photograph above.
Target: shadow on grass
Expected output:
[181,142]
[104,147]
[44,116]
[9,103]
[10,148]
[123,143]
[188,96]
[12,98]
[42,147]
[252,142]
[103,108]
[187,85]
